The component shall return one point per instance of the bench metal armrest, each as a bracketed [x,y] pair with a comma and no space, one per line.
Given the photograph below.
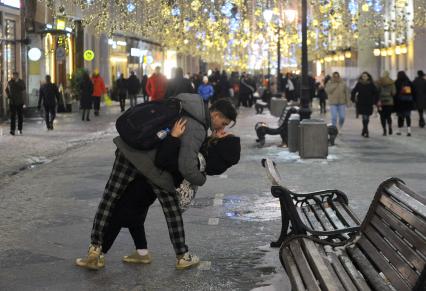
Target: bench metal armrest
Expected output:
[318,195]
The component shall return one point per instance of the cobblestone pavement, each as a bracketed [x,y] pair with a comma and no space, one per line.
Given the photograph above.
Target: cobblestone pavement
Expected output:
[46,210]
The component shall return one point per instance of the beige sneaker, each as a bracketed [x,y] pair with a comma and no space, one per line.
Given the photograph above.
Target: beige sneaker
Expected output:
[94,260]
[136,258]
[187,261]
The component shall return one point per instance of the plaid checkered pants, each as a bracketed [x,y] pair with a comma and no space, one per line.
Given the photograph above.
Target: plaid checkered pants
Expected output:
[123,172]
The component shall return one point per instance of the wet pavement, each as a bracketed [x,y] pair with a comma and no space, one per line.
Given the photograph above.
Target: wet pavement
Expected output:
[46,209]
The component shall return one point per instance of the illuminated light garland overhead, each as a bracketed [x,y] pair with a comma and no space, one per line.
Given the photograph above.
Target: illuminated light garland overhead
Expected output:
[213,29]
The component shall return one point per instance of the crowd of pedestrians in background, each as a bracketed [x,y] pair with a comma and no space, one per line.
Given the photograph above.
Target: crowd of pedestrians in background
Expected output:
[386,95]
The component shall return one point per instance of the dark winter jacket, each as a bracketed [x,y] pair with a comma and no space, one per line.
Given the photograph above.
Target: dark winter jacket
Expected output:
[247,87]
[133,85]
[179,85]
[365,95]
[402,103]
[191,142]
[86,89]
[122,87]
[419,86]
[387,91]
[48,94]
[16,92]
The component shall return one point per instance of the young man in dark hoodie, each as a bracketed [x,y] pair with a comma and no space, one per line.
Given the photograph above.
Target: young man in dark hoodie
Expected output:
[217,155]
[130,162]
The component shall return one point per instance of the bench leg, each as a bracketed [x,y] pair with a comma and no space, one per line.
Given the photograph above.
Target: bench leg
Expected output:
[285,220]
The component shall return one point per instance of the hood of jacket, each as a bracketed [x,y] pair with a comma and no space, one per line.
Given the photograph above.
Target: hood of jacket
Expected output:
[385,81]
[194,105]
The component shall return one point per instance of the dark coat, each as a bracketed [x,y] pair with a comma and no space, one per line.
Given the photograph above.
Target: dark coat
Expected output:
[245,89]
[178,86]
[49,95]
[86,88]
[400,105]
[133,85]
[122,87]
[365,95]
[16,92]
[419,86]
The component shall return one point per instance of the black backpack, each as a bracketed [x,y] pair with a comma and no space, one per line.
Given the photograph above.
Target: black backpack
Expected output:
[144,126]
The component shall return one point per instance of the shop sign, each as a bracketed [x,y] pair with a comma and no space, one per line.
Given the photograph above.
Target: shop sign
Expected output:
[60,53]
[89,55]
[135,52]
[34,54]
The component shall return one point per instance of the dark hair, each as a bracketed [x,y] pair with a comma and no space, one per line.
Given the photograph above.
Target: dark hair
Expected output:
[48,78]
[370,78]
[226,108]
[221,153]
[420,73]
[402,76]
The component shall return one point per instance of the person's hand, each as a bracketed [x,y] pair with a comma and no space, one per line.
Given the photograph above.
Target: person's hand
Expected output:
[179,128]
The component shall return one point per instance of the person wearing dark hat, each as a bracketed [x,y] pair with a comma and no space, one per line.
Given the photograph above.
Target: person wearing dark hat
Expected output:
[419,86]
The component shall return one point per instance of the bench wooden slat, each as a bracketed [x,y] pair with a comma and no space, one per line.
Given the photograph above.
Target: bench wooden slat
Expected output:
[411,236]
[405,271]
[321,267]
[303,217]
[350,213]
[341,273]
[292,271]
[404,213]
[352,271]
[322,218]
[406,250]
[313,221]
[334,219]
[381,264]
[413,200]
[302,264]
[342,213]
[367,269]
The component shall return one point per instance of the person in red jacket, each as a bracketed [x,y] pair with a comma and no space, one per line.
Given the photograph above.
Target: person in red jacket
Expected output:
[98,90]
[156,85]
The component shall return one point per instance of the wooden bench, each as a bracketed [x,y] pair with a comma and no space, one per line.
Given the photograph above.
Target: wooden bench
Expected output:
[388,253]
[324,214]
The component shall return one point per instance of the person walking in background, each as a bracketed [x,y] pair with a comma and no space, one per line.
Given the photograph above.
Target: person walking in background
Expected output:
[387,91]
[321,94]
[133,88]
[404,101]
[49,95]
[86,89]
[205,90]
[98,90]
[156,85]
[15,92]
[247,89]
[337,93]
[224,86]
[143,85]
[179,84]
[122,88]
[419,86]
[365,95]
[289,88]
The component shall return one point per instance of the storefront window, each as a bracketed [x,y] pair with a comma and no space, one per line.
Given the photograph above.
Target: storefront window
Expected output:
[10,48]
